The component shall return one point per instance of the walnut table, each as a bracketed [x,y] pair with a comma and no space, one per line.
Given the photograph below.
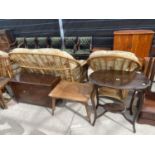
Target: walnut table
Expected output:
[136,81]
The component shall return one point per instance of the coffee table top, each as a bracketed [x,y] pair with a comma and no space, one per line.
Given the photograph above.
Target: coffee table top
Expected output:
[3,81]
[120,79]
[74,91]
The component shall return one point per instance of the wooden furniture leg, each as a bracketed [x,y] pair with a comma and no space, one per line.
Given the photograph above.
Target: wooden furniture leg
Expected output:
[132,101]
[93,94]
[88,113]
[53,105]
[140,105]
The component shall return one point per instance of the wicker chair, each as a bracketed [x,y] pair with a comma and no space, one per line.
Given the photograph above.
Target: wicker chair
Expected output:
[5,67]
[49,61]
[114,60]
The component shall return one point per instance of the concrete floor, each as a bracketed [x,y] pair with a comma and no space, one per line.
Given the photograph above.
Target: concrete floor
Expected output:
[28,119]
[20,119]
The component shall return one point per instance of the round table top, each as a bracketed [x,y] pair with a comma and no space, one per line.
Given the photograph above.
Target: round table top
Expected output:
[120,79]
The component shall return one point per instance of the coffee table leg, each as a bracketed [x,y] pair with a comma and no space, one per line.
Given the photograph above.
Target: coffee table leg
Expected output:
[53,105]
[88,113]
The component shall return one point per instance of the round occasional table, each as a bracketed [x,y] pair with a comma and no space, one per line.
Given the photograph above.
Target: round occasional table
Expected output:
[122,80]
[3,82]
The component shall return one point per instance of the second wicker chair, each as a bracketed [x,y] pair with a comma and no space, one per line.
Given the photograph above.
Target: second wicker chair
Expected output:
[114,60]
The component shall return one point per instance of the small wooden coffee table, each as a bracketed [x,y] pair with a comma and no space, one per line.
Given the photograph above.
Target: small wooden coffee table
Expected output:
[3,82]
[73,91]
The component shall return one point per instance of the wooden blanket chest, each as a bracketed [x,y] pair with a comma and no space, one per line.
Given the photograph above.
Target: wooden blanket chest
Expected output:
[33,88]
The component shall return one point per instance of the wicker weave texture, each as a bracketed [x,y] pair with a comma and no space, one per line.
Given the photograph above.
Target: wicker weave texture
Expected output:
[5,67]
[48,61]
[114,60]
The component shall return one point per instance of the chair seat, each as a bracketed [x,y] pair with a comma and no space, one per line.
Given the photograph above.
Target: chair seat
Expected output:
[73,91]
